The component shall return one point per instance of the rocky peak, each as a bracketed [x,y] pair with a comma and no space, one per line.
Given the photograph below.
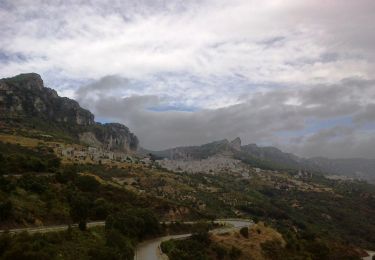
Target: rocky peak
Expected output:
[236,144]
[26,80]
[24,101]
[24,96]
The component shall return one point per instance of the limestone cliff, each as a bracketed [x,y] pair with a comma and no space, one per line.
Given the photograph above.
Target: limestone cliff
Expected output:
[24,101]
[25,96]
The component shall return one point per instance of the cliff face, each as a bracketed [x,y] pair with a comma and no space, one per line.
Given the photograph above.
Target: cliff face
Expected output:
[112,136]
[24,97]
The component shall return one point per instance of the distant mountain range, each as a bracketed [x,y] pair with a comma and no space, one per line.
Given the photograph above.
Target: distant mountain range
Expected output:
[273,158]
[26,104]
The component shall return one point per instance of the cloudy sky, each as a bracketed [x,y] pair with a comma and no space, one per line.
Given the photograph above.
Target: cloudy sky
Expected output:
[299,75]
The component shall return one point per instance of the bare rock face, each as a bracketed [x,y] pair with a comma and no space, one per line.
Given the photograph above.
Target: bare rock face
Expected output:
[112,136]
[236,144]
[24,98]
[90,139]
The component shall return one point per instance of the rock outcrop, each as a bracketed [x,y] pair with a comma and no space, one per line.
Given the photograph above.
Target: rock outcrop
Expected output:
[24,99]
[111,136]
[236,144]
[25,96]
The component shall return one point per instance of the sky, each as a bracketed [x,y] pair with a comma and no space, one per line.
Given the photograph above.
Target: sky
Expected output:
[298,75]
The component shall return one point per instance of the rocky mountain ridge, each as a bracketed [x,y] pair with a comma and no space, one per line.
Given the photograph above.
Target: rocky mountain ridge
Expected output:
[24,101]
[272,157]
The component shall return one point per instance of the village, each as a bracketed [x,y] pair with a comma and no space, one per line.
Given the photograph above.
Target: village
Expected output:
[211,165]
[82,154]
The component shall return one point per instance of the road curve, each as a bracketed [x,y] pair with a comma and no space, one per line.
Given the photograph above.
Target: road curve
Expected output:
[146,250]
[150,249]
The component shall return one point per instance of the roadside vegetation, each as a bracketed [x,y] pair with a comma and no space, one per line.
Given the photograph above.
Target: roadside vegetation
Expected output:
[317,218]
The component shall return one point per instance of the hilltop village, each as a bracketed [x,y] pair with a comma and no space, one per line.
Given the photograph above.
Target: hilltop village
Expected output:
[75,153]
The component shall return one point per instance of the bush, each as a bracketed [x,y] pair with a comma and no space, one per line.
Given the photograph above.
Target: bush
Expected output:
[5,240]
[80,208]
[120,244]
[167,246]
[67,174]
[101,208]
[5,210]
[234,253]
[87,183]
[33,183]
[273,249]
[134,223]
[220,251]
[244,232]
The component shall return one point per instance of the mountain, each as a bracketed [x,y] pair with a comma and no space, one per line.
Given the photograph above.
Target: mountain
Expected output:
[26,103]
[198,152]
[273,158]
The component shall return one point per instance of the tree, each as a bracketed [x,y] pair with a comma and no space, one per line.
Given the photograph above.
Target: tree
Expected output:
[101,208]
[87,183]
[66,175]
[5,210]
[134,223]
[80,207]
[120,244]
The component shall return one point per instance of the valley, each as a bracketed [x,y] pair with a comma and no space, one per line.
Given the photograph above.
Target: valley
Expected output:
[60,168]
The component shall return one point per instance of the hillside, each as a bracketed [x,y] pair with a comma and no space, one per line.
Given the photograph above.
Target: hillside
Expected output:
[57,166]
[26,105]
[273,158]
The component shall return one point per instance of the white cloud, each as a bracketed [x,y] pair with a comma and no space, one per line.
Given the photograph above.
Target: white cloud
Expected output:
[203,39]
[204,56]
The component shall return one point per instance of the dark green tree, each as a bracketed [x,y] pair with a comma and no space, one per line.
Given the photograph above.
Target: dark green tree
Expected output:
[80,207]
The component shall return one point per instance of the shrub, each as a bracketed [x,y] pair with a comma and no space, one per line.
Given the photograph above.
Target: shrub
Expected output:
[273,249]
[244,232]
[220,251]
[234,253]
[87,183]
[167,246]
[120,244]
[5,210]
[80,207]
[134,223]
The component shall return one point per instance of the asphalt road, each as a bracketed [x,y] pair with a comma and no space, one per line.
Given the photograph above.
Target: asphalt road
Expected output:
[150,249]
[50,228]
[147,250]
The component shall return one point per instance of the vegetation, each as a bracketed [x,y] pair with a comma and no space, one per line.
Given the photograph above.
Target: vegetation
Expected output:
[318,218]
[199,246]
[15,159]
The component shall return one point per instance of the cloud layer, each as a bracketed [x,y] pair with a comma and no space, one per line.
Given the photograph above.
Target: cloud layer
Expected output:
[296,74]
[333,120]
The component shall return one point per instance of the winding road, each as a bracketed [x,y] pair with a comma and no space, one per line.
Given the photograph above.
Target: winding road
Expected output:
[150,249]
[146,250]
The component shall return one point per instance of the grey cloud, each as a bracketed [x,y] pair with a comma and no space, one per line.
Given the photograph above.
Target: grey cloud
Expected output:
[367,115]
[102,85]
[273,41]
[329,134]
[313,46]
[336,142]
[261,118]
